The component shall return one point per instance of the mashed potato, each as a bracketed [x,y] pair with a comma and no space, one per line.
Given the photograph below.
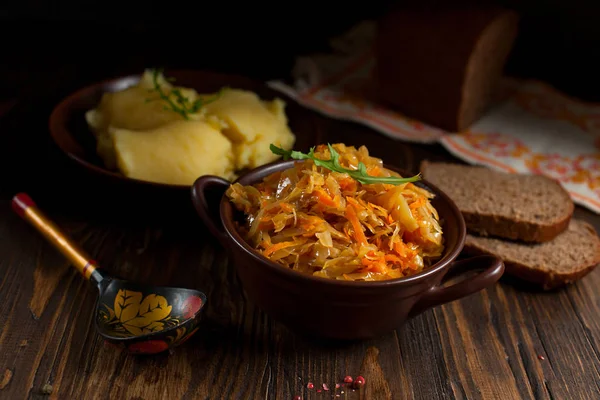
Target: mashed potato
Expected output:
[252,124]
[138,107]
[139,134]
[174,153]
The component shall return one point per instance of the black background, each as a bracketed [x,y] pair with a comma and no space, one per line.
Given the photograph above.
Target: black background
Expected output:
[83,41]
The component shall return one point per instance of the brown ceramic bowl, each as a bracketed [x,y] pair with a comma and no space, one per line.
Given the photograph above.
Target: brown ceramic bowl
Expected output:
[342,309]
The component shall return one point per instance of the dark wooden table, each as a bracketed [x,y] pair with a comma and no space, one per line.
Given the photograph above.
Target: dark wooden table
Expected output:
[508,342]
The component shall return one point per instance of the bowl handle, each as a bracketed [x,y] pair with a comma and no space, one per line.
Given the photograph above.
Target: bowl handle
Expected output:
[492,266]
[208,210]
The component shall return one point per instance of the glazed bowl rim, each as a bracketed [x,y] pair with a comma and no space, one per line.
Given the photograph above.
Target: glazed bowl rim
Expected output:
[226,212]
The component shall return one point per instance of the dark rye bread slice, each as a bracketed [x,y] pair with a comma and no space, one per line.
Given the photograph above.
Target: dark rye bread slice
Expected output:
[565,259]
[530,208]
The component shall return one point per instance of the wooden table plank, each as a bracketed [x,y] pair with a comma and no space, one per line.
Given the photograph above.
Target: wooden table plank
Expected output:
[484,346]
[464,348]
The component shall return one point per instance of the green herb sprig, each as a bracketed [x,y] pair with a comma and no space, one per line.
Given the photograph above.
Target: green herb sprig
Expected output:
[360,174]
[180,104]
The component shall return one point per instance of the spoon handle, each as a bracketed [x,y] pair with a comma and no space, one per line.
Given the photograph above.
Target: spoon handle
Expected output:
[26,209]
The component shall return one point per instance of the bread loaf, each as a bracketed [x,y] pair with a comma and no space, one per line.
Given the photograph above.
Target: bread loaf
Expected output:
[441,66]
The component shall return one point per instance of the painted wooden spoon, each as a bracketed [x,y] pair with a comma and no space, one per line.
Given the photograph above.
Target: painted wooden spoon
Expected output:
[142,319]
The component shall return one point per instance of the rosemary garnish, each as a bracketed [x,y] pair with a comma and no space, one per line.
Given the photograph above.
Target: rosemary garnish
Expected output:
[180,104]
[360,174]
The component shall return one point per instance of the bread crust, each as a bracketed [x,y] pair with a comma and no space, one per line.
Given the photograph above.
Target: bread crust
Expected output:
[514,229]
[547,280]
[502,227]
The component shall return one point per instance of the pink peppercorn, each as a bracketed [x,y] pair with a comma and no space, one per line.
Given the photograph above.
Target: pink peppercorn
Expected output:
[359,381]
[310,385]
[297,398]
[348,379]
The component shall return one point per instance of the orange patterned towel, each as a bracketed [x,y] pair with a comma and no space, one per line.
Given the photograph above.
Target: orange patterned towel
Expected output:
[532,128]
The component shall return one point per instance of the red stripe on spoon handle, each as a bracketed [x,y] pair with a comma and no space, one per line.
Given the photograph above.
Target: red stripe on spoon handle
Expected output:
[22,202]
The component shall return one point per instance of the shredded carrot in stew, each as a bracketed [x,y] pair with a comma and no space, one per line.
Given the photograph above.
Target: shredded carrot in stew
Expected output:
[325,223]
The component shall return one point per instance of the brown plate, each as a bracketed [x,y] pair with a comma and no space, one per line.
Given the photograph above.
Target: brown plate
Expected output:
[71,134]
